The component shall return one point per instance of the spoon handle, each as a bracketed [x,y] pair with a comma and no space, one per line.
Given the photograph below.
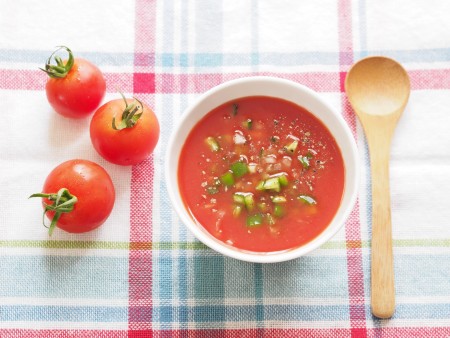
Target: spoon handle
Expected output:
[382,273]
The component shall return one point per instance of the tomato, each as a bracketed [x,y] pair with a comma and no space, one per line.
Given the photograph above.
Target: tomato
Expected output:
[75,87]
[78,196]
[124,132]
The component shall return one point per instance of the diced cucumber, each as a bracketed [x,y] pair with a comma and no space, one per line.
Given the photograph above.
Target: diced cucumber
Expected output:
[279,199]
[307,199]
[252,168]
[283,180]
[227,179]
[260,186]
[238,198]
[237,209]
[212,143]
[254,220]
[249,201]
[292,147]
[272,183]
[239,169]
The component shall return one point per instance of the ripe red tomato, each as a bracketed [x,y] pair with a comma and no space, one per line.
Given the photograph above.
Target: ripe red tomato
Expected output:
[75,87]
[124,131]
[78,196]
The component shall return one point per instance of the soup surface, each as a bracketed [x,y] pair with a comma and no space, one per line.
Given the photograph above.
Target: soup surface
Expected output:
[261,174]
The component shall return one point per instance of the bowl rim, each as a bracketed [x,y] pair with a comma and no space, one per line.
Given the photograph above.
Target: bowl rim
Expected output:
[350,186]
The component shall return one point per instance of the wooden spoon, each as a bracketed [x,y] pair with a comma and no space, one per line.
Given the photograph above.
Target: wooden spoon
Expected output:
[378,90]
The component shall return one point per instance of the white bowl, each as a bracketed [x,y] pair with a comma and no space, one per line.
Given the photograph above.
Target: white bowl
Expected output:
[274,87]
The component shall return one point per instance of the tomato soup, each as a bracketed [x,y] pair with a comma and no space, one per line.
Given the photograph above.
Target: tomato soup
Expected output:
[261,174]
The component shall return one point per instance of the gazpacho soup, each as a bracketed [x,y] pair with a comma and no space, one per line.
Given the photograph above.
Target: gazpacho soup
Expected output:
[261,174]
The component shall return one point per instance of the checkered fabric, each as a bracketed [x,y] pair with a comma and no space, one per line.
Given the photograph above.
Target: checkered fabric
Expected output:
[143,274]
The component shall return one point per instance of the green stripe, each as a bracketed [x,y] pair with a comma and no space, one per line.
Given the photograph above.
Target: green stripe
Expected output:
[55,244]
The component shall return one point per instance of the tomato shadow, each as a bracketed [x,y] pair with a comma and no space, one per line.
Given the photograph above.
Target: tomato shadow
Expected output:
[64,131]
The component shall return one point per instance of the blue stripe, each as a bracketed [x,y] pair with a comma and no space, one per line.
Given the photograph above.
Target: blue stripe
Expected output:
[259,293]
[307,312]
[64,277]
[309,276]
[166,126]
[41,56]
[211,313]
[64,313]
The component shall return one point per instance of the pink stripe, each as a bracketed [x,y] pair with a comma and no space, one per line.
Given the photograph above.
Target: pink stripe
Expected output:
[166,83]
[24,333]
[140,302]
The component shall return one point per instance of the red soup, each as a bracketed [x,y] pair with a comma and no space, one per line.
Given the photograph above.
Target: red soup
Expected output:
[261,174]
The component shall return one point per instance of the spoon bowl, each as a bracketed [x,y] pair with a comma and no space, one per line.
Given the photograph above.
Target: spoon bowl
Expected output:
[378,90]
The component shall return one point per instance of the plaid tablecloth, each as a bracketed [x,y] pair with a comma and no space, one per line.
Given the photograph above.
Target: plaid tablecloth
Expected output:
[142,274]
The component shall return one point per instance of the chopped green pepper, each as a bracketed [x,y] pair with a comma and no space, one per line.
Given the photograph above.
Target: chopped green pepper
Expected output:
[227,179]
[239,169]
[278,211]
[238,198]
[254,220]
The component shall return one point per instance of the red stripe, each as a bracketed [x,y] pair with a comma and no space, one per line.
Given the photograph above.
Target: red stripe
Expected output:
[353,227]
[140,306]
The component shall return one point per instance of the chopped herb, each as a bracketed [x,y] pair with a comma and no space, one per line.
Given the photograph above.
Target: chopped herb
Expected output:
[304,160]
[235,109]
[248,124]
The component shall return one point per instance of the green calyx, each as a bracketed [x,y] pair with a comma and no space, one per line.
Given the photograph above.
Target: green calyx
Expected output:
[59,70]
[63,202]
[130,115]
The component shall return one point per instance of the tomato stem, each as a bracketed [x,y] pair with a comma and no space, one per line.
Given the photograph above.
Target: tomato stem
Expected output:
[130,114]
[60,70]
[63,202]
